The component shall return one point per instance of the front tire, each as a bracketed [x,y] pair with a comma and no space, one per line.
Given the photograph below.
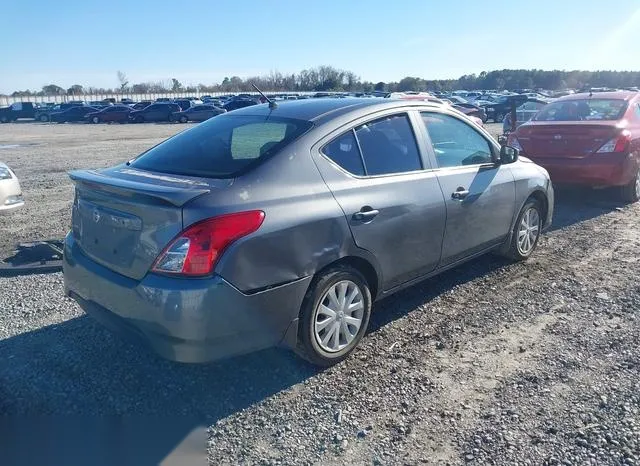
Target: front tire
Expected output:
[4,119]
[95,120]
[631,192]
[183,119]
[499,118]
[334,316]
[526,232]
[44,118]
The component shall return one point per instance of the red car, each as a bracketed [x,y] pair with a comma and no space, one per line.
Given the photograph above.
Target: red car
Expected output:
[113,113]
[587,139]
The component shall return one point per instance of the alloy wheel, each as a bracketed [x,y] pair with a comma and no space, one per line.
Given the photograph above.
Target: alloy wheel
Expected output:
[528,230]
[339,316]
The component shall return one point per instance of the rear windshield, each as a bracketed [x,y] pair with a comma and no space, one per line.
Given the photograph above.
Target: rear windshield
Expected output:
[221,147]
[583,110]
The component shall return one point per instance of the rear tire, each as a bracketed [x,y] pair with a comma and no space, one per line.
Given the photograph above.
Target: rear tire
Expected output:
[183,119]
[95,120]
[4,119]
[631,192]
[139,119]
[526,232]
[499,118]
[44,118]
[338,302]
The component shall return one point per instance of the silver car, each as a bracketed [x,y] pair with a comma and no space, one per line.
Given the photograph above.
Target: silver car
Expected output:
[283,224]
[10,191]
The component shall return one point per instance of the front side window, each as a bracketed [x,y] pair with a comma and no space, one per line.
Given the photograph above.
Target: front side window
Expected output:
[455,143]
[221,147]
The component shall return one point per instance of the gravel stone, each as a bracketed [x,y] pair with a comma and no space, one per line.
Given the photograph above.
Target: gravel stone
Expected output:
[457,385]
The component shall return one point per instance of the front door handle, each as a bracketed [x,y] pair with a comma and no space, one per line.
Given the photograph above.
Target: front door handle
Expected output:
[459,194]
[366,214]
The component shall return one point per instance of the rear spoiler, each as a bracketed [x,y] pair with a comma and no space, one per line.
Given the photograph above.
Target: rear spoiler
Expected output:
[177,196]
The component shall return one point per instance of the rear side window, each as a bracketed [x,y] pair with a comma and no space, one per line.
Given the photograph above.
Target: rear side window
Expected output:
[455,142]
[344,151]
[222,147]
[583,110]
[383,147]
[388,146]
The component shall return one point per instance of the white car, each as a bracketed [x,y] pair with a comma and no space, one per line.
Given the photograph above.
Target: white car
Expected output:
[10,191]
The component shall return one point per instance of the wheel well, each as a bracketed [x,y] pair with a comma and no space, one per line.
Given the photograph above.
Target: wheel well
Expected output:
[544,202]
[361,265]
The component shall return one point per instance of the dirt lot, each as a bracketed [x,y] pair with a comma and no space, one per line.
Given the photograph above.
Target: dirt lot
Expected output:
[491,363]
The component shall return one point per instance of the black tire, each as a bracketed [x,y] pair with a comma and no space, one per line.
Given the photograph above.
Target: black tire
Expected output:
[139,119]
[44,118]
[95,120]
[631,192]
[4,119]
[308,346]
[183,119]
[513,250]
[499,117]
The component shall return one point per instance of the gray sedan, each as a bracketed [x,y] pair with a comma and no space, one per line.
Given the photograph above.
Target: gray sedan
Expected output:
[197,113]
[283,224]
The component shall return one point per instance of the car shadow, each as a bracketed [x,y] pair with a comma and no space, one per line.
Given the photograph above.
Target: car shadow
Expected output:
[78,370]
[577,204]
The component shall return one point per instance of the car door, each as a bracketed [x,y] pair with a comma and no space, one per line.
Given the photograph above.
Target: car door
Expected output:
[389,195]
[479,194]
[197,113]
[153,112]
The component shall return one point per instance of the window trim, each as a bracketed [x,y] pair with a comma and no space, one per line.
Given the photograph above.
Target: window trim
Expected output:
[432,154]
[363,121]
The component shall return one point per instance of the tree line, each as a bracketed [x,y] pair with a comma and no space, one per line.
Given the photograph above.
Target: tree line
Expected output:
[328,78]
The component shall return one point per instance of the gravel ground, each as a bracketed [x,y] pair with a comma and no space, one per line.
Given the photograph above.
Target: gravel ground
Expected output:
[491,363]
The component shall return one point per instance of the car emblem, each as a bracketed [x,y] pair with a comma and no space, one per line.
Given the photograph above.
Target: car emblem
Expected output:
[96,215]
[557,136]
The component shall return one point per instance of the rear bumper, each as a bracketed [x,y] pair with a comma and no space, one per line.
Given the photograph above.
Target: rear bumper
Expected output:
[181,319]
[595,170]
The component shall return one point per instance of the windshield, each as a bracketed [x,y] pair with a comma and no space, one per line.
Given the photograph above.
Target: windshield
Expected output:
[222,147]
[583,110]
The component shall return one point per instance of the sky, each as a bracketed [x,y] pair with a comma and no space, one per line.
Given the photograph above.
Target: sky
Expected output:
[202,41]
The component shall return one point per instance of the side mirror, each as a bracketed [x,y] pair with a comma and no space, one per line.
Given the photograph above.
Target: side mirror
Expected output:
[508,155]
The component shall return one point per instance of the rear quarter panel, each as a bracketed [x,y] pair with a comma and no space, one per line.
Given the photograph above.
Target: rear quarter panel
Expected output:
[304,228]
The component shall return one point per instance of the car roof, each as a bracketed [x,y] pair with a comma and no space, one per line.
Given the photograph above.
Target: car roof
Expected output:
[622,95]
[323,109]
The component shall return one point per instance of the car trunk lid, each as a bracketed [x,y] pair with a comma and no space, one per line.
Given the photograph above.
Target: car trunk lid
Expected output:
[573,140]
[124,217]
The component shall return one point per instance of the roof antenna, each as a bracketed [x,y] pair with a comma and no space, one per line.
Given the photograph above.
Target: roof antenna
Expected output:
[272,104]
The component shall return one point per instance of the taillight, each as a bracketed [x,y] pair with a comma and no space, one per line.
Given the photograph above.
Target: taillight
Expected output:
[617,144]
[512,141]
[194,252]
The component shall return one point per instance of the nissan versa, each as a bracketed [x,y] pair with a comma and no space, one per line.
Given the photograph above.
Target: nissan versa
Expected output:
[282,224]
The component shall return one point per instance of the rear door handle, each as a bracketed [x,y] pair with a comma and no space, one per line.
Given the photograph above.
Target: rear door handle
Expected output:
[459,194]
[365,214]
